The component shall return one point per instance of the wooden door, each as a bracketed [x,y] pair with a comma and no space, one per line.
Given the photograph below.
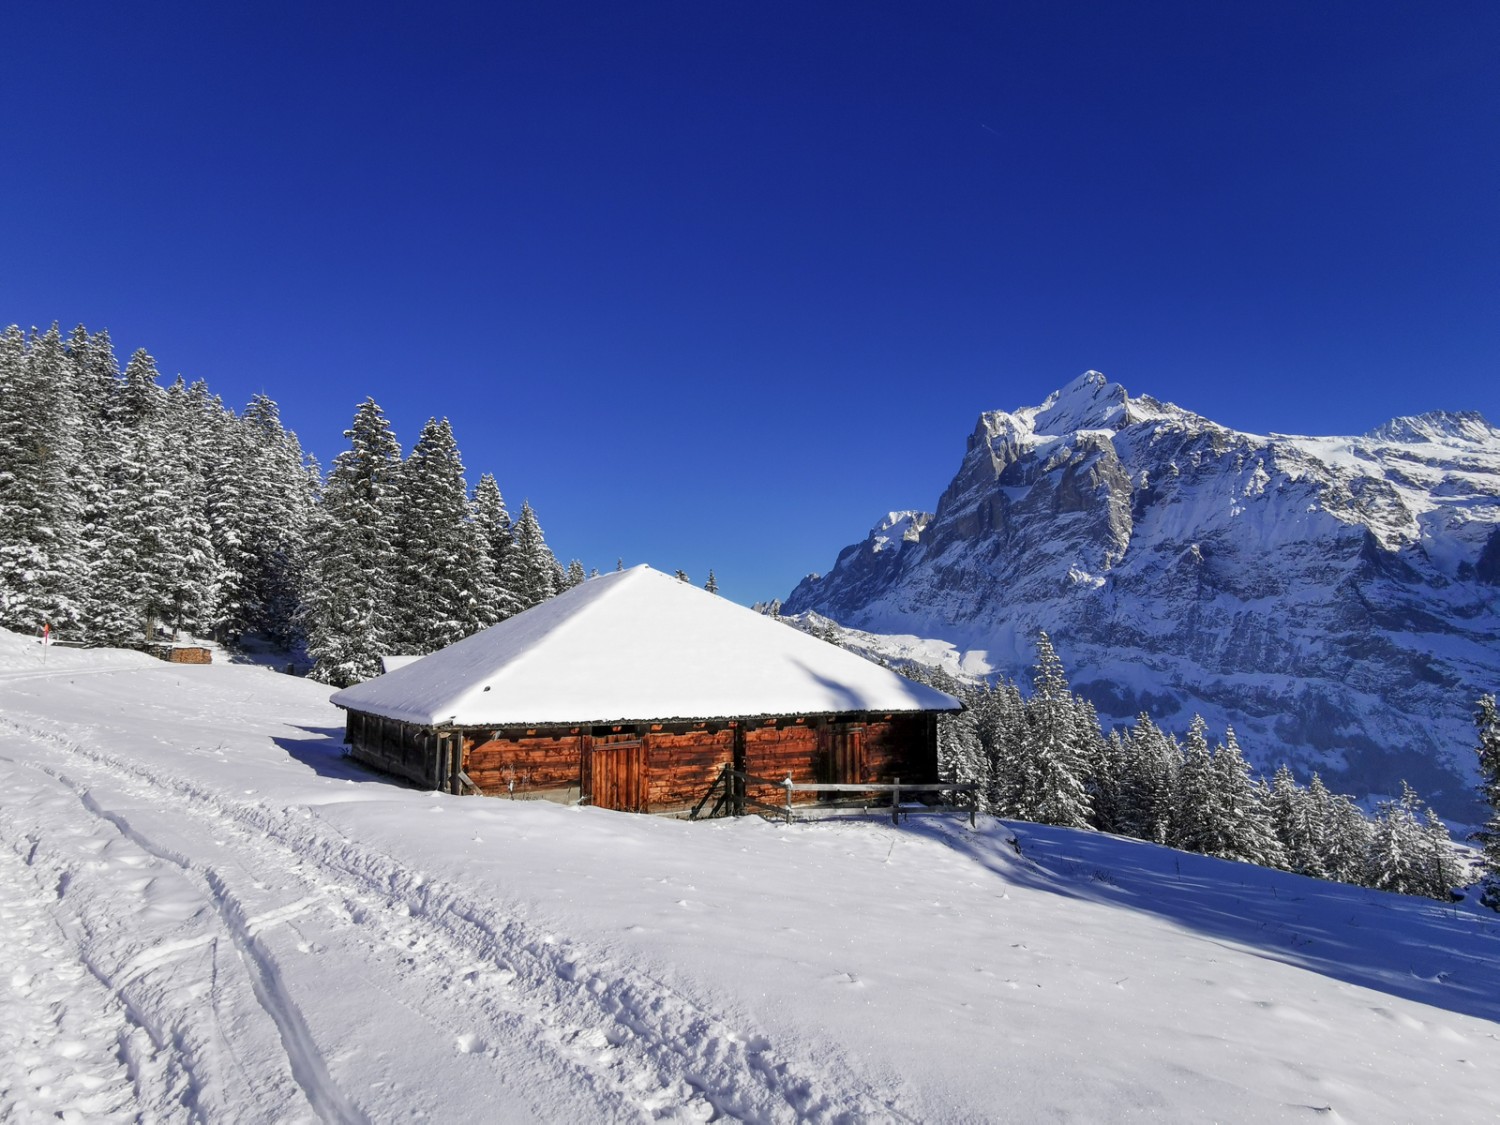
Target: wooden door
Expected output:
[617,775]
[848,754]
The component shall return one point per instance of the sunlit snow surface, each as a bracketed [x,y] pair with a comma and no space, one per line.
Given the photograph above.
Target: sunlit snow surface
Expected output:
[636,644]
[208,913]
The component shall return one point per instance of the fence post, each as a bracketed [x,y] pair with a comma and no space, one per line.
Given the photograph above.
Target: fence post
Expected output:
[973,804]
[896,801]
[788,784]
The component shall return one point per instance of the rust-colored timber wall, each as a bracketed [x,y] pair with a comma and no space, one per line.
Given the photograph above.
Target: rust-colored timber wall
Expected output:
[525,763]
[395,747]
[773,750]
[682,762]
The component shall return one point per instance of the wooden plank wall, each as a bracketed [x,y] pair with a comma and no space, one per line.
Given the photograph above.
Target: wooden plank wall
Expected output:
[682,759]
[772,750]
[538,762]
[397,748]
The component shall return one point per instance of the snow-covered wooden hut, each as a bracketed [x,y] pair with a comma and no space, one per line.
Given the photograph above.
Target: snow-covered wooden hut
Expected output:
[632,691]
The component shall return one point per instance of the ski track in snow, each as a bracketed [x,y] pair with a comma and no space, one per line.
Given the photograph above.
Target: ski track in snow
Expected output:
[498,986]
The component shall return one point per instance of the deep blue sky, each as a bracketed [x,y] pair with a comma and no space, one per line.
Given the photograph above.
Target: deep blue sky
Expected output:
[715,285]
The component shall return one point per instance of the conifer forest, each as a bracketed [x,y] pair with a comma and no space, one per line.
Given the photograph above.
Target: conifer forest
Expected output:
[135,512]
[1045,758]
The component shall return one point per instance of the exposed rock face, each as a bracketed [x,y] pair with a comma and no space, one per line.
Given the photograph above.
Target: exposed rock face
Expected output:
[1336,599]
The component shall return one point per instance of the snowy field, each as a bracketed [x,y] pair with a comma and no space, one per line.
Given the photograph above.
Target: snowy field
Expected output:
[209,914]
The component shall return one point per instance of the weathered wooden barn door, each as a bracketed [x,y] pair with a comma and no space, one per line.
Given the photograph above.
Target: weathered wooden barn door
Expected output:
[848,753]
[617,772]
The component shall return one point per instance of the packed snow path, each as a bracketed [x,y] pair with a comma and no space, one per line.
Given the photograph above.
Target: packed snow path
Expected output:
[210,915]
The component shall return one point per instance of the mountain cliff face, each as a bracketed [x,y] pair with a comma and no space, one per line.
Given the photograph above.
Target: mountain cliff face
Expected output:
[1336,599]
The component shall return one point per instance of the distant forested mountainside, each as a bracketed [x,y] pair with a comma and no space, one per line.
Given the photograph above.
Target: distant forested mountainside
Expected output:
[1336,600]
[129,511]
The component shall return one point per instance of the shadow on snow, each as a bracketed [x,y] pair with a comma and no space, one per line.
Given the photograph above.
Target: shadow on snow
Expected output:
[1445,955]
[323,753]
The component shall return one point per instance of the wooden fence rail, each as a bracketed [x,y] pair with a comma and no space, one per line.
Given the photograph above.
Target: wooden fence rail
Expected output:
[732,783]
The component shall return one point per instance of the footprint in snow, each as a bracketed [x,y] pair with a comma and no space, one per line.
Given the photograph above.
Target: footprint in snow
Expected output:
[849,980]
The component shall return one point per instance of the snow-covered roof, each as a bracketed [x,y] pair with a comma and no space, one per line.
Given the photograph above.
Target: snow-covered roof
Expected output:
[635,646]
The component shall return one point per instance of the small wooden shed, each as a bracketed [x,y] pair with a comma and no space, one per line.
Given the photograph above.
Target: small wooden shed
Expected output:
[632,691]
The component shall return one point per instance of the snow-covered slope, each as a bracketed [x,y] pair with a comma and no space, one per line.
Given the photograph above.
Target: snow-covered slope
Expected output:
[1336,599]
[209,914]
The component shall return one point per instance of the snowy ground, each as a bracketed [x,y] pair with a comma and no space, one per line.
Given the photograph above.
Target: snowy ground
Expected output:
[209,914]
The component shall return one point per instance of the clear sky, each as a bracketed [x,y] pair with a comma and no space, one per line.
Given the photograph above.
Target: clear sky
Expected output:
[716,285]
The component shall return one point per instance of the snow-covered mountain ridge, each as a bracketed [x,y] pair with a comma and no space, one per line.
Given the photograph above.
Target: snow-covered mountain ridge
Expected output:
[1336,598]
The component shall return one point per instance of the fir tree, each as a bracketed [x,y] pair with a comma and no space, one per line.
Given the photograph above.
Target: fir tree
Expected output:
[496,533]
[1290,809]
[1241,813]
[267,497]
[349,613]
[575,574]
[1397,859]
[1150,795]
[40,508]
[712,585]
[444,571]
[193,450]
[1193,825]
[1487,724]
[1444,870]
[531,573]
[1047,783]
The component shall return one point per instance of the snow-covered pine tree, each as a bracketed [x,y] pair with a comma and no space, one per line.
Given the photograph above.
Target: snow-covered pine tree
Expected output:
[1193,824]
[496,533]
[1048,784]
[193,428]
[1487,726]
[444,569]
[97,389]
[1242,821]
[1110,787]
[1397,859]
[531,573]
[133,589]
[712,585]
[1343,833]
[1099,767]
[1291,817]
[575,574]
[1150,798]
[348,614]
[1445,871]
[41,510]
[999,722]
[960,754]
[264,505]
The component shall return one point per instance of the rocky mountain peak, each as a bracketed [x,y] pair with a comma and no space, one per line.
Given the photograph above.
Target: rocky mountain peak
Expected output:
[1089,402]
[1437,426]
[1336,599]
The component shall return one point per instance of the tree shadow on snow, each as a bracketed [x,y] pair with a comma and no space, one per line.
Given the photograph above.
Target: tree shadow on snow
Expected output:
[1445,955]
[323,753]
